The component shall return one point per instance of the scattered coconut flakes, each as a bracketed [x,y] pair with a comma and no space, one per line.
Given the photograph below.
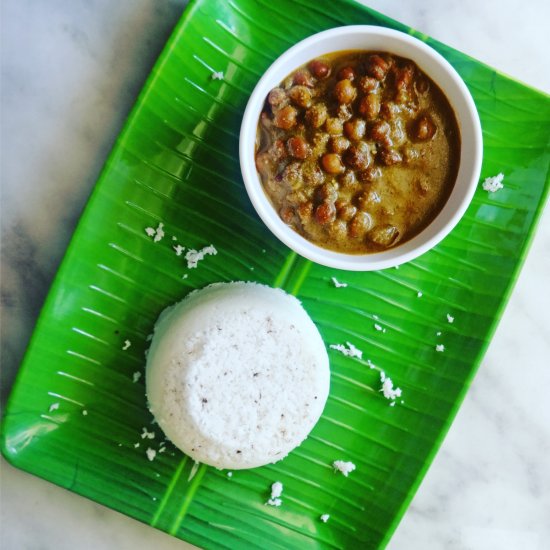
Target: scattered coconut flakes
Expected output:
[126,345]
[229,474]
[84,412]
[157,233]
[146,434]
[440,347]
[387,388]
[53,407]
[392,404]
[151,453]
[379,327]
[217,75]
[193,257]
[438,333]
[345,467]
[185,276]
[179,249]
[276,492]
[375,317]
[338,284]
[136,376]
[174,238]
[325,517]
[136,445]
[162,449]
[419,294]
[350,351]
[494,183]
[450,318]
[396,267]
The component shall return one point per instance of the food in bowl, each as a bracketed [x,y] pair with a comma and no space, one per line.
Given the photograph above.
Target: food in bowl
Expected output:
[358,151]
[237,375]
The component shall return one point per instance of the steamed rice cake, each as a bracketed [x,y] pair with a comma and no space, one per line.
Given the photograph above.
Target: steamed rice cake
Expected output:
[237,374]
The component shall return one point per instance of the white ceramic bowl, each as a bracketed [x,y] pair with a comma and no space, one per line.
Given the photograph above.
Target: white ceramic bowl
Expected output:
[363,37]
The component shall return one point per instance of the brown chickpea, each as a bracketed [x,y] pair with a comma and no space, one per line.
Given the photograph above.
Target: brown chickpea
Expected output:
[325,213]
[348,179]
[316,115]
[424,128]
[404,76]
[359,225]
[367,84]
[345,91]
[300,96]
[292,175]
[389,110]
[303,78]
[319,68]
[358,156]
[380,132]
[389,156]
[298,147]
[334,126]
[338,144]
[285,118]
[377,67]
[286,214]
[277,97]
[338,229]
[328,192]
[344,112]
[370,106]
[313,175]
[332,164]
[346,73]
[384,235]
[355,129]
[305,211]
[345,210]
[372,173]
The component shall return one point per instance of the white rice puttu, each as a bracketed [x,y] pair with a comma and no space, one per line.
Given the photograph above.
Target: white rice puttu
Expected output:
[237,375]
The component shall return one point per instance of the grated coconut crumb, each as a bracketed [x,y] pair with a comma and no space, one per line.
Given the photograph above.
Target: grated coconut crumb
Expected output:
[494,183]
[276,492]
[337,283]
[387,388]
[325,517]
[440,348]
[344,467]
[350,351]
[193,257]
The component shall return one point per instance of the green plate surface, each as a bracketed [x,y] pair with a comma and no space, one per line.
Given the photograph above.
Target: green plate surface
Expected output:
[176,162]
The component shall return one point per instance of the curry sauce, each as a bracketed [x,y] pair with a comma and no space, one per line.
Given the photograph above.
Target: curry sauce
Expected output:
[358,151]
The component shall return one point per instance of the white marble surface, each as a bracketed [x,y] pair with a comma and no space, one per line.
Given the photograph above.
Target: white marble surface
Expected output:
[71,70]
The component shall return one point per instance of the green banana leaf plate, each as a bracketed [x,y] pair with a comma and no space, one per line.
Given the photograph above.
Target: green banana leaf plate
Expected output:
[77,411]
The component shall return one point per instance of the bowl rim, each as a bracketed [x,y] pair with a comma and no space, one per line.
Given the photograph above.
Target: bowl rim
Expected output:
[469,166]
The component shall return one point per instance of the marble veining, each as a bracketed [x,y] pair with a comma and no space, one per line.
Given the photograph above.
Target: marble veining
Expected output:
[70,73]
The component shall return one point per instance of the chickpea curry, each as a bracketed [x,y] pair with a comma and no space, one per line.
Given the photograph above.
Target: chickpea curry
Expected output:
[358,151]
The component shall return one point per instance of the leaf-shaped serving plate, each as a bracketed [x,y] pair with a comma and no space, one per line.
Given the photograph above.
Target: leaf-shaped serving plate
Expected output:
[76,416]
